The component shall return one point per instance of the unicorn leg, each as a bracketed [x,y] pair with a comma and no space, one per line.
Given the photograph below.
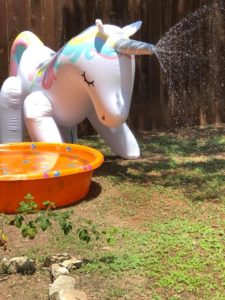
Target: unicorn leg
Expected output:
[39,119]
[120,139]
[11,119]
[69,134]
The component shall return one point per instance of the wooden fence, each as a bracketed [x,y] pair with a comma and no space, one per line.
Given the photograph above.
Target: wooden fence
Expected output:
[56,21]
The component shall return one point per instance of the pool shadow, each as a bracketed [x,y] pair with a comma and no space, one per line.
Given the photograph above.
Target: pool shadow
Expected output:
[94,190]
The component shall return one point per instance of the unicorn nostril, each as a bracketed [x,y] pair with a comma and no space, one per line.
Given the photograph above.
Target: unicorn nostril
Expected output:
[103,117]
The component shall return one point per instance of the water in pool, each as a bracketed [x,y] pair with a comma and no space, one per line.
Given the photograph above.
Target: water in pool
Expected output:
[27,162]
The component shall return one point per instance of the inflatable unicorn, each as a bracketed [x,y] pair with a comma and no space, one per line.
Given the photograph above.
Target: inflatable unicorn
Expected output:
[91,77]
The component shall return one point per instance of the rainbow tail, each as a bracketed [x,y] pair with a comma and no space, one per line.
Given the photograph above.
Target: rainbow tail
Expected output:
[20,44]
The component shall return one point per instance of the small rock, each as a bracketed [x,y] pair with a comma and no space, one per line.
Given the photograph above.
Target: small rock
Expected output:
[56,259]
[72,263]
[57,270]
[63,282]
[22,265]
[69,295]
[4,266]
[107,248]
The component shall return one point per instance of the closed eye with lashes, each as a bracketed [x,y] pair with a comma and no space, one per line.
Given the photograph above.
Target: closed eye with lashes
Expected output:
[87,81]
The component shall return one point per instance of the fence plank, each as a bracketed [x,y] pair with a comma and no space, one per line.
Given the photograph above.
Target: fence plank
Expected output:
[4,51]
[18,18]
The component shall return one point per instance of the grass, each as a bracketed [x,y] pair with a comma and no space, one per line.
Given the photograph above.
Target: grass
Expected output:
[163,216]
[179,257]
[182,256]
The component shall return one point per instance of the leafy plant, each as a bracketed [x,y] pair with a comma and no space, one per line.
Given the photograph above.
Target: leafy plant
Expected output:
[3,236]
[43,218]
[90,231]
[28,206]
[3,239]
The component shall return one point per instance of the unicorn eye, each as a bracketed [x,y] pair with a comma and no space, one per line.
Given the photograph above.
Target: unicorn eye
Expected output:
[85,80]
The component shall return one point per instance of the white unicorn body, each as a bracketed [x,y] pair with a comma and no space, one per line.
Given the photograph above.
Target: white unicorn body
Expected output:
[89,77]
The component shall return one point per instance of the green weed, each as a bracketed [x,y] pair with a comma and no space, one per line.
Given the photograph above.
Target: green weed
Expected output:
[178,256]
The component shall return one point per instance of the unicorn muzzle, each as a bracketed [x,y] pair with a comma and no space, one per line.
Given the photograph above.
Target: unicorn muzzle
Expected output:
[113,120]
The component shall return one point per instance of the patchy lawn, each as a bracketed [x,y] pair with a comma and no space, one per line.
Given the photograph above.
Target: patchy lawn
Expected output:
[161,220]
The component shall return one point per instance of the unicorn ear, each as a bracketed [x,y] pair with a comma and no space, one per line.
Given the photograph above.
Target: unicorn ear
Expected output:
[132,28]
[100,27]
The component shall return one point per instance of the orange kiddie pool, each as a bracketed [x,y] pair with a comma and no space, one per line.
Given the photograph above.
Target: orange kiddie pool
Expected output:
[60,173]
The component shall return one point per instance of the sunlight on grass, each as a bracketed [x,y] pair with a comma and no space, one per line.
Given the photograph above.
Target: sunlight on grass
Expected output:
[194,164]
[180,250]
[178,256]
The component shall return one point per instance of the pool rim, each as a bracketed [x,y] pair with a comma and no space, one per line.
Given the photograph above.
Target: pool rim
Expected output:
[68,148]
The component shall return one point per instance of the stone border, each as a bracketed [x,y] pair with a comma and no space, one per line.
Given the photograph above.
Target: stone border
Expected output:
[63,285]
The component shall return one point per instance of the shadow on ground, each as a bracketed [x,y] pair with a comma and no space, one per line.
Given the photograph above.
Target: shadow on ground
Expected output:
[192,160]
